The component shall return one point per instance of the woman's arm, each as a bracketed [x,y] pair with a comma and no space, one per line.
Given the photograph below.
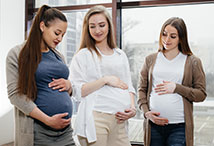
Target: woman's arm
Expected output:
[128,113]
[143,87]
[113,81]
[132,96]
[196,92]
[143,91]
[56,121]
[143,102]
[83,84]
[20,101]
[87,88]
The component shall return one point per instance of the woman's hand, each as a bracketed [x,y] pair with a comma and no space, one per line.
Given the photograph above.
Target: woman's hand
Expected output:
[165,88]
[123,116]
[115,82]
[61,84]
[92,86]
[154,117]
[57,121]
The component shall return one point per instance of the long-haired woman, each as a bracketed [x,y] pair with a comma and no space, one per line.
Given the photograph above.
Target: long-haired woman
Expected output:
[36,73]
[171,80]
[101,72]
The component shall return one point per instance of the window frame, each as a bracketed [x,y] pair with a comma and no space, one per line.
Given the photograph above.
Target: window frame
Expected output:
[116,5]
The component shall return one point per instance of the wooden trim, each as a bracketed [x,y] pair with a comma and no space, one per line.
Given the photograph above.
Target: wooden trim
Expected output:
[150,3]
[117,21]
[26,17]
[29,6]
[78,7]
[114,17]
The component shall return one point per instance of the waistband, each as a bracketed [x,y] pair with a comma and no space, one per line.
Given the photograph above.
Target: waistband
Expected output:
[172,124]
[50,128]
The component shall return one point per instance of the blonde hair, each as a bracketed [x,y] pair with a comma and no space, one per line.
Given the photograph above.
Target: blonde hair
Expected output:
[87,40]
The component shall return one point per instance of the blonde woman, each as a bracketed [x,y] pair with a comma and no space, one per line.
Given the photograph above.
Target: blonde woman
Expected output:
[101,72]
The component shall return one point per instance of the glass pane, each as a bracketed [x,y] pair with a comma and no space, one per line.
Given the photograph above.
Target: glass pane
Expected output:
[68,2]
[140,35]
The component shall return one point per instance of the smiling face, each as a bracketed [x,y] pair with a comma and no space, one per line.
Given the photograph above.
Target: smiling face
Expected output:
[170,38]
[98,27]
[52,35]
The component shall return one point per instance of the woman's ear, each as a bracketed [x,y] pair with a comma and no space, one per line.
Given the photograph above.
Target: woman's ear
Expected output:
[42,26]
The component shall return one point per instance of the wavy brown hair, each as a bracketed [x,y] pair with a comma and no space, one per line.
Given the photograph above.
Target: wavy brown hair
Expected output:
[180,26]
[87,40]
[30,55]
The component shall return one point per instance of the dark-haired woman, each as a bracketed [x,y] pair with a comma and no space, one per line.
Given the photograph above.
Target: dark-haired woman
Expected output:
[37,84]
[171,80]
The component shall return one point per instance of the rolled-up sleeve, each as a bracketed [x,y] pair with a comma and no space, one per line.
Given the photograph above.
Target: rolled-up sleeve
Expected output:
[77,74]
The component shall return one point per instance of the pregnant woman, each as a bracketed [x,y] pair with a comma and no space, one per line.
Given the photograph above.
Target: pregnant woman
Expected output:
[35,74]
[101,70]
[171,80]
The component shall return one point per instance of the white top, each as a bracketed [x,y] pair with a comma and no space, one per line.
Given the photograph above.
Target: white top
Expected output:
[84,68]
[111,99]
[170,106]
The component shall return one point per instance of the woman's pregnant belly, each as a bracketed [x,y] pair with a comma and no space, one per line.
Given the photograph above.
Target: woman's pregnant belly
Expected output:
[170,106]
[112,100]
[54,102]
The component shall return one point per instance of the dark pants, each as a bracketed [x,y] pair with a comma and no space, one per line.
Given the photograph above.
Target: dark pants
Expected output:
[169,135]
[45,136]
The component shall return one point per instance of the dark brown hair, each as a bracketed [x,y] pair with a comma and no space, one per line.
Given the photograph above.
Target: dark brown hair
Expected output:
[180,26]
[86,39]
[30,55]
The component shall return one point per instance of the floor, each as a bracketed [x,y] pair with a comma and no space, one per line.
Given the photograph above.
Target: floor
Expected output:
[8,144]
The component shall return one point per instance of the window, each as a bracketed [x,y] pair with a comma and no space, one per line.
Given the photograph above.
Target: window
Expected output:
[68,2]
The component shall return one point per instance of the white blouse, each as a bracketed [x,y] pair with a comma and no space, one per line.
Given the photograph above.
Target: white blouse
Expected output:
[111,99]
[85,68]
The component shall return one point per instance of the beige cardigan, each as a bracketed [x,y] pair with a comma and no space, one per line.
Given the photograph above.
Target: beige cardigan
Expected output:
[23,122]
[193,89]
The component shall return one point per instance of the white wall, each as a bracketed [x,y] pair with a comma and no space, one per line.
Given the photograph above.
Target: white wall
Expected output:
[12,18]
